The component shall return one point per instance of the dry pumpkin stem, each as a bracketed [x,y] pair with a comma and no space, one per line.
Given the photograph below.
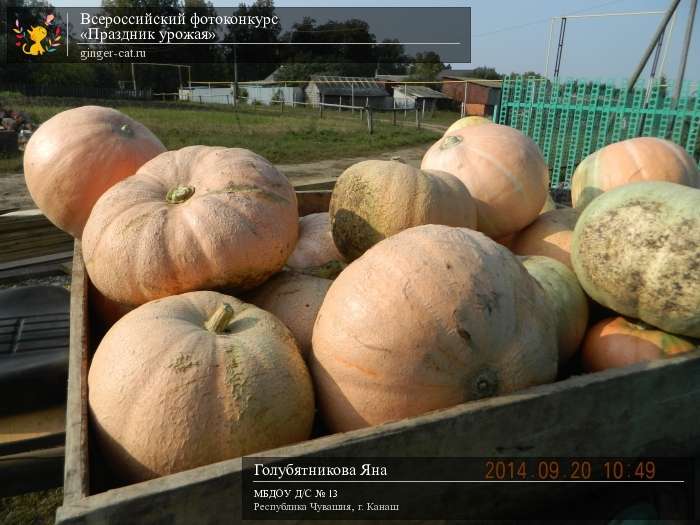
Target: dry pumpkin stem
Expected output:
[450,142]
[220,319]
[179,194]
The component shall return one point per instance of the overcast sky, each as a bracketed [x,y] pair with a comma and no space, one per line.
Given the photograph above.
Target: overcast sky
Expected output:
[512,35]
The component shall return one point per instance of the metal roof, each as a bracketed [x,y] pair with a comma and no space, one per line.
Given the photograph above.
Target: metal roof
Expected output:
[358,86]
[420,92]
[479,81]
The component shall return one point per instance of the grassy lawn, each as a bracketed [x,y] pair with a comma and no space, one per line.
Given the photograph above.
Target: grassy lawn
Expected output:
[295,135]
[34,508]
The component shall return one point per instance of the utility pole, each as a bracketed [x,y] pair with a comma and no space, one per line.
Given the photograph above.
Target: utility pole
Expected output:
[560,47]
[686,46]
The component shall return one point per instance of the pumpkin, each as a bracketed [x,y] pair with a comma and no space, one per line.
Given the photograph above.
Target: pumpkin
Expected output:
[465,122]
[295,299]
[507,240]
[636,251]
[315,245]
[426,319]
[194,219]
[375,199]
[503,170]
[618,342]
[76,155]
[194,379]
[550,235]
[104,311]
[549,204]
[632,160]
[569,305]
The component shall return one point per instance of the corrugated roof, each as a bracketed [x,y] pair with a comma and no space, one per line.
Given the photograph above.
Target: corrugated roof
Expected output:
[358,86]
[479,81]
[420,92]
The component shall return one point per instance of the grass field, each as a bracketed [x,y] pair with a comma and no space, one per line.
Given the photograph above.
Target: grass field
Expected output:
[295,135]
[35,508]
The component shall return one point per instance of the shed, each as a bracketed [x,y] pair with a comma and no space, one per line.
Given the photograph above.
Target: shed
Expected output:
[409,96]
[353,91]
[477,95]
[270,90]
[207,94]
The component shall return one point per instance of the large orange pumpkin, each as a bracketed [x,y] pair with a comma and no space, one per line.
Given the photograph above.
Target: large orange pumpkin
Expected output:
[619,341]
[465,122]
[375,199]
[315,245]
[428,318]
[503,170]
[550,235]
[194,219]
[632,160]
[76,155]
[194,379]
[295,299]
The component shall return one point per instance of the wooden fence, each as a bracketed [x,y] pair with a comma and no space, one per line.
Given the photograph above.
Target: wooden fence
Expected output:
[570,119]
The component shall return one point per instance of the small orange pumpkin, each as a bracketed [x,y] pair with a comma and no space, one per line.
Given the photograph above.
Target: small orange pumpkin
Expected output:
[76,155]
[619,341]
[315,246]
[550,235]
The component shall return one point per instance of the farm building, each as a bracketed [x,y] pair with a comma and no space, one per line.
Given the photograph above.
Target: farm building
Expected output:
[207,94]
[409,96]
[479,96]
[353,91]
[271,90]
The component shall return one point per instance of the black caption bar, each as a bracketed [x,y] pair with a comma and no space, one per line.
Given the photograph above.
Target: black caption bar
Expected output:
[252,34]
[465,488]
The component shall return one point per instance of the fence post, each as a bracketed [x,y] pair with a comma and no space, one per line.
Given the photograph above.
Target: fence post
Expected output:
[370,126]
[394,116]
[417,118]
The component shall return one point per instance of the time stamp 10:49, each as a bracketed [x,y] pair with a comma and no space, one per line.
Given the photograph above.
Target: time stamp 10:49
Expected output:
[573,470]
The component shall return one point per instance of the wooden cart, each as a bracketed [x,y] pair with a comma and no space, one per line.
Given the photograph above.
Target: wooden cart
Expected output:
[643,410]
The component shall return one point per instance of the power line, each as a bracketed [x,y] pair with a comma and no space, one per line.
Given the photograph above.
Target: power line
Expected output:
[543,20]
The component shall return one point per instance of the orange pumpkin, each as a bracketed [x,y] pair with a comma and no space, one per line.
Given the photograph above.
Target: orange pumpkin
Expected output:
[632,160]
[295,299]
[375,199]
[315,245]
[193,379]
[550,235]
[194,219]
[76,155]
[619,341]
[465,122]
[503,170]
[429,318]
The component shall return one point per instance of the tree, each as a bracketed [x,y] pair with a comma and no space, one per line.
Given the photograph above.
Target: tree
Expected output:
[426,68]
[487,73]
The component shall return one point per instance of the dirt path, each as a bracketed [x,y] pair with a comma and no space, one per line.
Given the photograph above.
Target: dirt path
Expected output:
[14,194]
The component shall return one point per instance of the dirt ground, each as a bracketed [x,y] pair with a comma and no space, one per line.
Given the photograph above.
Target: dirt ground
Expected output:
[14,194]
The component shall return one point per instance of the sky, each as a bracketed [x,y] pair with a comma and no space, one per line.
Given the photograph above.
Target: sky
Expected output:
[512,35]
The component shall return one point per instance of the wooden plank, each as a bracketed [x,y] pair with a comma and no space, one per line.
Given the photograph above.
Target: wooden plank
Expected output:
[326,184]
[41,259]
[76,473]
[645,409]
[32,425]
[31,471]
[313,201]
[27,272]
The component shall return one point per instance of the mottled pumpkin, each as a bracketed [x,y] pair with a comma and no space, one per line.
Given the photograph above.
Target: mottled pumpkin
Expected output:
[375,199]
[198,218]
[426,319]
[636,250]
[193,379]
[76,155]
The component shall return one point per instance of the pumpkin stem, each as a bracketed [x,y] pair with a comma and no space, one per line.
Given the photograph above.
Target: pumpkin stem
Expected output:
[126,130]
[396,158]
[179,194]
[451,141]
[220,319]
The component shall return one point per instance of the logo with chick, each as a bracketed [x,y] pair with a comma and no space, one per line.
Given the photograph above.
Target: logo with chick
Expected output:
[45,37]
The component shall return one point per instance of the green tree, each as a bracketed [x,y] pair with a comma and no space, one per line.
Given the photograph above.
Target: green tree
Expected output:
[426,67]
[487,73]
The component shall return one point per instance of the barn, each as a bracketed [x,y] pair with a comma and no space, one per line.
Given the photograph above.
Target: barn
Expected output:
[477,95]
[352,91]
[409,96]
[270,90]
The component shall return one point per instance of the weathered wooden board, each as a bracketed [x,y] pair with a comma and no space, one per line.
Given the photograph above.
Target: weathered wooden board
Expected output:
[647,409]
[314,201]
